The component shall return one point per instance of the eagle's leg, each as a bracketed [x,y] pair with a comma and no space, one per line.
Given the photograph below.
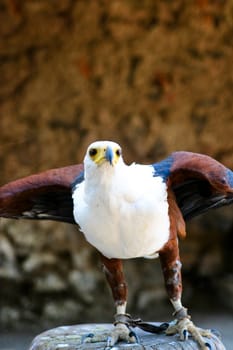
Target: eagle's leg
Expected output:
[113,269]
[171,267]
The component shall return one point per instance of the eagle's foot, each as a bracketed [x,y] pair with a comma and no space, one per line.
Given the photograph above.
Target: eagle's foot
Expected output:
[120,332]
[184,326]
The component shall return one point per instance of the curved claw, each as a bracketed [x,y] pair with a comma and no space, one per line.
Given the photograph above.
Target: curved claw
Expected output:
[87,337]
[133,336]
[108,344]
[208,346]
[185,334]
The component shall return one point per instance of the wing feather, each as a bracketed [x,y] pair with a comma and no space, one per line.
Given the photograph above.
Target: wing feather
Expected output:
[199,182]
[47,195]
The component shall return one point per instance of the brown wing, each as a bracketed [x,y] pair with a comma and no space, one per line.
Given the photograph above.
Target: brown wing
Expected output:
[47,195]
[198,181]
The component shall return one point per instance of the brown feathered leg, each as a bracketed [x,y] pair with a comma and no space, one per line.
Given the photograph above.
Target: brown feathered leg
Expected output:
[171,267]
[113,269]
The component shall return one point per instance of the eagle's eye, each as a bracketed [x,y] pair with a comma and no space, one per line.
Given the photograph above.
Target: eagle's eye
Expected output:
[92,152]
[118,152]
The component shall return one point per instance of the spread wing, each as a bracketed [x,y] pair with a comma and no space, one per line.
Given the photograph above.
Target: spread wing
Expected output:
[198,181]
[47,195]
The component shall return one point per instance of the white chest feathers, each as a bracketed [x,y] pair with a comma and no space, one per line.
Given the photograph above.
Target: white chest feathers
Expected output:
[123,211]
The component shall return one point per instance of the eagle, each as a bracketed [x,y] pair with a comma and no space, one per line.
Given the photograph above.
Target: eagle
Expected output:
[128,211]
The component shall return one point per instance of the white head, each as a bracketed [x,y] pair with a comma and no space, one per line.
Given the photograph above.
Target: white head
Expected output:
[103,152]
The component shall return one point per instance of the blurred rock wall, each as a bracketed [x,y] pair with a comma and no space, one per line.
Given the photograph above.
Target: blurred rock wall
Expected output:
[155,76]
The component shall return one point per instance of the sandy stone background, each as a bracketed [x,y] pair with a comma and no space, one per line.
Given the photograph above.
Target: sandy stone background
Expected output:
[155,76]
